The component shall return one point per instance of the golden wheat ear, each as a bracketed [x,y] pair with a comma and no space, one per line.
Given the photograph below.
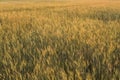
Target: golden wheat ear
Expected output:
[0,21]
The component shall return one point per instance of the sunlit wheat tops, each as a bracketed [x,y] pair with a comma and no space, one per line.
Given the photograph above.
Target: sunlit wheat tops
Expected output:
[60,40]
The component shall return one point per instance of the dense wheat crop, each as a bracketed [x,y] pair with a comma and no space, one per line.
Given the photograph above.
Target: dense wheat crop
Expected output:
[60,40]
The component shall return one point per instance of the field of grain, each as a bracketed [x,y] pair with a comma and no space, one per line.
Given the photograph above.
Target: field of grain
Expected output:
[60,40]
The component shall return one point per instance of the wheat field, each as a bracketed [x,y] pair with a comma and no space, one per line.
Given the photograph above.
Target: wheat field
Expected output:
[60,40]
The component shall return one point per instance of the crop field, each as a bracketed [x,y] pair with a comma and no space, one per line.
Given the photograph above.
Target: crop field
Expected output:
[60,40]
